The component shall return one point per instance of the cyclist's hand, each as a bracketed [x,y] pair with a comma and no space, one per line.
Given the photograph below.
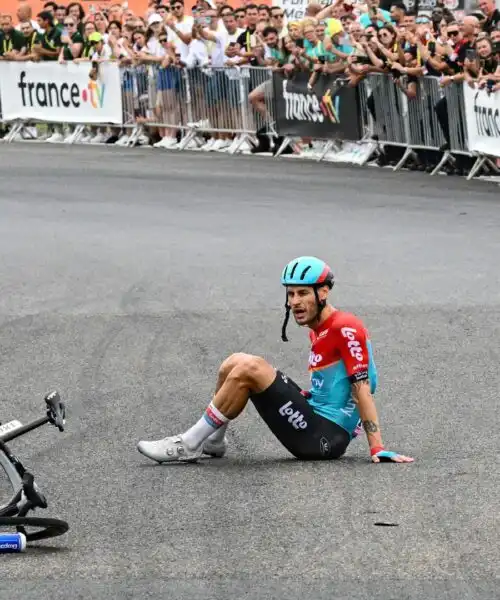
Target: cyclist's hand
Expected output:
[388,456]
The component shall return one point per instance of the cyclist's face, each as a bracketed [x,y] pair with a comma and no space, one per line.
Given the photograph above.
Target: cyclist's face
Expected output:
[302,302]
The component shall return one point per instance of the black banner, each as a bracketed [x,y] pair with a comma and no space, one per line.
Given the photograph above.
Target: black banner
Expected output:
[327,112]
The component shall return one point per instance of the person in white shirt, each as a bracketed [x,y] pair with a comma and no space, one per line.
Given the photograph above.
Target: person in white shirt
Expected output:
[155,27]
[180,28]
[215,79]
[233,89]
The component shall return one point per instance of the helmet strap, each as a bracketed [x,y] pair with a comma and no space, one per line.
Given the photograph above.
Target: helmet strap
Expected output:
[285,322]
[319,303]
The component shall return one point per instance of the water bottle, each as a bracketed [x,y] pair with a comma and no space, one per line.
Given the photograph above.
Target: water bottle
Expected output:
[12,542]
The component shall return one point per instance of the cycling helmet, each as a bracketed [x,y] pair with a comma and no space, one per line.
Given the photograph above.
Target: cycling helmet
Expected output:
[306,271]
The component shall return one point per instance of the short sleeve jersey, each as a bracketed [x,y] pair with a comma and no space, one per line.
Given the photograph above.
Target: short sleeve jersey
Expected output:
[341,354]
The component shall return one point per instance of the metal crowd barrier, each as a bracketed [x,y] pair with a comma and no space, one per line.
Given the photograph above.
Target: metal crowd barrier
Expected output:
[196,102]
[201,102]
[432,121]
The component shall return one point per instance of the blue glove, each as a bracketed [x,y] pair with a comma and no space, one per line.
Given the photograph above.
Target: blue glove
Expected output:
[389,456]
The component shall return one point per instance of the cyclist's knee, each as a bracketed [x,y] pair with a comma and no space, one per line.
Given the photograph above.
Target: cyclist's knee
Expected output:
[254,372]
[230,363]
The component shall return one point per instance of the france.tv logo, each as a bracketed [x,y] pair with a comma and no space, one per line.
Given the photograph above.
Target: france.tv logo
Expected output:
[330,107]
[94,94]
[60,95]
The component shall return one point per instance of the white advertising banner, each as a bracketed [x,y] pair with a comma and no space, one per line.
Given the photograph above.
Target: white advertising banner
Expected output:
[482,115]
[57,93]
[295,9]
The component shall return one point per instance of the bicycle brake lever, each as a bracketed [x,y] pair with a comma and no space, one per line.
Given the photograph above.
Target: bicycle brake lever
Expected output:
[56,411]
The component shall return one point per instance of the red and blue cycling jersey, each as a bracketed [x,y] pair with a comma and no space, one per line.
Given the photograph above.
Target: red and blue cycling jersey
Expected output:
[341,354]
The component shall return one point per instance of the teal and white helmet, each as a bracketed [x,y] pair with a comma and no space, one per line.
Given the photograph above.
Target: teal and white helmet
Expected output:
[306,271]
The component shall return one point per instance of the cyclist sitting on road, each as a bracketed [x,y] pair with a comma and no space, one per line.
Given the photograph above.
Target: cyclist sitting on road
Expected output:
[315,425]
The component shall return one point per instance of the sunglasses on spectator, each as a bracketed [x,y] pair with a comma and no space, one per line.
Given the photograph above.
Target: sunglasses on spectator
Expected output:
[162,40]
[422,20]
[453,33]
[278,15]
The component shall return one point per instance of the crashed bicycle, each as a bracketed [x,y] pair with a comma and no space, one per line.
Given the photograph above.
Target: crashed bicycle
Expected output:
[27,497]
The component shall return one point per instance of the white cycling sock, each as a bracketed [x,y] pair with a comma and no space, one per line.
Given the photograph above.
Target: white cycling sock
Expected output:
[210,422]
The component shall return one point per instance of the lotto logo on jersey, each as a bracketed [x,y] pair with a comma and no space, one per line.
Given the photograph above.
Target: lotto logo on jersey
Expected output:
[314,359]
[295,417]
[353,344]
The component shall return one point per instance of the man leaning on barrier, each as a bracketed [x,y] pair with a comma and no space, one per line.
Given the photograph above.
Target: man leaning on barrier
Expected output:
[12,42]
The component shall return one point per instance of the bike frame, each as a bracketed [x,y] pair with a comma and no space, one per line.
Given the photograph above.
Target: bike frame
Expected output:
[27,496]
[14,469]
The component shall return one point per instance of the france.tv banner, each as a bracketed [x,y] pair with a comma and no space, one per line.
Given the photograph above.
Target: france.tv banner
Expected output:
[60,93]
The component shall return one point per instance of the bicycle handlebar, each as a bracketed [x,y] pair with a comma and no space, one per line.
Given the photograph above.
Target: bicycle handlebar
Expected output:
[56,415]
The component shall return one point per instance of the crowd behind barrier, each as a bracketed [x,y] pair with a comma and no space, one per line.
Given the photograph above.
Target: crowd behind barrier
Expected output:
[349,82]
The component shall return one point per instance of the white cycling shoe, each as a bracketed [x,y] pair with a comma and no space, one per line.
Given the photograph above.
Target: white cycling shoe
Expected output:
[215,449]
[169,449]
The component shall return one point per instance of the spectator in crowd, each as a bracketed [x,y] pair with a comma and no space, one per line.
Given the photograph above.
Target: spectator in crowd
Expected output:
[248,39]
[30,37]
[60,14]
[12,41]
[24,14]
[350,38]
[492,15]
[76,12]
[72,41]
[48,44]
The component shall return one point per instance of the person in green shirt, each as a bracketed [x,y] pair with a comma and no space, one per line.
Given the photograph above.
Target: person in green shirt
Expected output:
[12,42]
[72,41]
[48,44]
[30,37]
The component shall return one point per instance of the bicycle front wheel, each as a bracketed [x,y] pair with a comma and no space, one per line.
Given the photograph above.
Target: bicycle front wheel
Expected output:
[45,528]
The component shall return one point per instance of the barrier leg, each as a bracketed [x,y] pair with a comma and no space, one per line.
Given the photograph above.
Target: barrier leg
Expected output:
[477,166]
[408,152]
[73,138]
[446,157]
[329,145]
[134,136]
[284,144]
[13,132]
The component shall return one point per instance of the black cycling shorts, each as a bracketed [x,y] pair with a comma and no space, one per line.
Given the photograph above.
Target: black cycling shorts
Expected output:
[305,434]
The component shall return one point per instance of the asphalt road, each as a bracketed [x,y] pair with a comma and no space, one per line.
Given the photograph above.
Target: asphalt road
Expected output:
[126,276]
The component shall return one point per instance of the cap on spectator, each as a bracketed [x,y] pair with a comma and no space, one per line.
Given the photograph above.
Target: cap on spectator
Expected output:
[334,27]
[154,18]
[95,37]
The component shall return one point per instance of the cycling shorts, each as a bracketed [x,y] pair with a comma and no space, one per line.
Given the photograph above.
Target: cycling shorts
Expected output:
[305,434]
